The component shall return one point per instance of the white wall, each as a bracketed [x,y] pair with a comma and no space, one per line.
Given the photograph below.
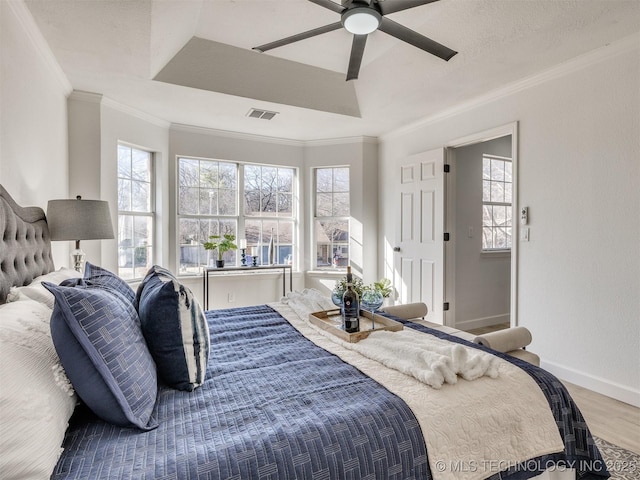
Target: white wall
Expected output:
[96,125]
[33,116]
[482,280]
[579,171]
[138,130]
[360,154]
[206,143]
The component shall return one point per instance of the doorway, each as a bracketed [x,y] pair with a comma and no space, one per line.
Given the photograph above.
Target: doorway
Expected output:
[480,268]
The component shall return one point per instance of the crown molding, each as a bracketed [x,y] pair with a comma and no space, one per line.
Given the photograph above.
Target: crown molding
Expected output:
[341,141]
[578,63]
[29,26]
[134,112]
[88,97]
[91,97]
[180,127]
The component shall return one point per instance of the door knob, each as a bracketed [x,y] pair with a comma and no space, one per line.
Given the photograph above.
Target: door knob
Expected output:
[396,249]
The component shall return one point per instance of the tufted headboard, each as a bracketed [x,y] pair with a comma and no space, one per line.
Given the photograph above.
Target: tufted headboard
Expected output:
[25,245]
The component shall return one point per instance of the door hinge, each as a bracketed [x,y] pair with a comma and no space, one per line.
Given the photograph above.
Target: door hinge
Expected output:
[447,168]
[445,306]
[446,237]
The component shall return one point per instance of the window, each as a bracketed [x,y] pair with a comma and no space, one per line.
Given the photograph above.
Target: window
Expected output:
[268,210]
[135,212]
[209,196]
[496,203]
[332,217]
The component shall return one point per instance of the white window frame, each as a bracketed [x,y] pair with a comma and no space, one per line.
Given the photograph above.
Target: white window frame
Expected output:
[293,219]
[319,218]
[509,205]
[151,213]
[240,218]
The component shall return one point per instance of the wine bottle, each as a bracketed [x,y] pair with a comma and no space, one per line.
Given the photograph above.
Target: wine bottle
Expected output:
[350,306]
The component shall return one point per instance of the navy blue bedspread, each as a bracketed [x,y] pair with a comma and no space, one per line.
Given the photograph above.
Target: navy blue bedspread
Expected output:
[275,406]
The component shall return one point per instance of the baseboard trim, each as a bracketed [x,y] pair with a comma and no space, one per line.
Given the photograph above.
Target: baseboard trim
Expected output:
[482,322]
[597,384]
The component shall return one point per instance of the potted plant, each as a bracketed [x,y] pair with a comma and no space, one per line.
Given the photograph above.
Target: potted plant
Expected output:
[341,286]
[221,243]
[384,287]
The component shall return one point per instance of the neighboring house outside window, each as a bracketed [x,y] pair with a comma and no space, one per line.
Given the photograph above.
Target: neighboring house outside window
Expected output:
[331,222]
[135,212]
[496,203]
[209,196]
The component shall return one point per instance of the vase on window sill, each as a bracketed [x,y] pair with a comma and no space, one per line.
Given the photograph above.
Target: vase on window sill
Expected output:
[219,263]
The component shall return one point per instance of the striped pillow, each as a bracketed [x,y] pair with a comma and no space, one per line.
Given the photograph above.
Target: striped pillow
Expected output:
[175,329]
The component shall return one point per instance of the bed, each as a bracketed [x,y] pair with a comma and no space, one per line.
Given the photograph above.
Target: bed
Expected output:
[279,399]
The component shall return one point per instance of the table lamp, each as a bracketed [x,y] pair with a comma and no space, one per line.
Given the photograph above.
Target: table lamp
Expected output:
[79,220]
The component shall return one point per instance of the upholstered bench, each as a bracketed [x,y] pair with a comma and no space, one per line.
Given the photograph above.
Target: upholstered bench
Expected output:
[511,341]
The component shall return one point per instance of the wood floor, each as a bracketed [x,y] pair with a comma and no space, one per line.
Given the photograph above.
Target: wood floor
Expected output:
[610,419]
[489,329]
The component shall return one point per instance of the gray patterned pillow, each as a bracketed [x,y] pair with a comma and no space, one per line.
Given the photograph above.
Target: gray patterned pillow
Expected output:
[100,277]
[96,333]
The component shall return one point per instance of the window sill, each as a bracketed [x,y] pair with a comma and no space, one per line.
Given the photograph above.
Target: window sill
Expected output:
[495,253]
[327,273]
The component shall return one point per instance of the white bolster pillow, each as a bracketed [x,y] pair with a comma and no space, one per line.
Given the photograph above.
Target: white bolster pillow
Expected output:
[505,340]
[408,311]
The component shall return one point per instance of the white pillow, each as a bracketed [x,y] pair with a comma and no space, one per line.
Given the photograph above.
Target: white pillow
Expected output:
[36,398]
[35,290]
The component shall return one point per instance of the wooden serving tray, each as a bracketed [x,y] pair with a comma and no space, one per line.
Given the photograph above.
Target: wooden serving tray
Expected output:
[331,321]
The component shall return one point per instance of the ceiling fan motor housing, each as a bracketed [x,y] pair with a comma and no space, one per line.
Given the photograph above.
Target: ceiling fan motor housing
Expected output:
[361,19]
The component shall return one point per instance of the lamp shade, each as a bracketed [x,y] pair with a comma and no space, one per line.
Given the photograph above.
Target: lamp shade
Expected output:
[79,219]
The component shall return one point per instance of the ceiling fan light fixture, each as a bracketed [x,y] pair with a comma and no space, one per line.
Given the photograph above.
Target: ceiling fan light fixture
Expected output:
[361,20]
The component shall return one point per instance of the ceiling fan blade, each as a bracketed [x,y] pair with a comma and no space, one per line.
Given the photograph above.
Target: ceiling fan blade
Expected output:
[392,6]
[357,50]
[414,38]
[299,36]
[329,4]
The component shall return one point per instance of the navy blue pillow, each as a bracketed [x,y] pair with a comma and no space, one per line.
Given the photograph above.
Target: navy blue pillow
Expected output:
[175,328]
[100,277]
[97,335]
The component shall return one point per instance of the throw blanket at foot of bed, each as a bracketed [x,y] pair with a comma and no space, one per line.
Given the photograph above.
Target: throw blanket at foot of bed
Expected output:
[426,358]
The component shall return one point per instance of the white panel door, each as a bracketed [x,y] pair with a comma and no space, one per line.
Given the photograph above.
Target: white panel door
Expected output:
[420,231]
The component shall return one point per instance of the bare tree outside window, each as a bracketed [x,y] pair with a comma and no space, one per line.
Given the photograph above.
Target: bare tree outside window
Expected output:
[332,210]
[135,212]
[209,196]
[268,207]
[497,188]
[207,205]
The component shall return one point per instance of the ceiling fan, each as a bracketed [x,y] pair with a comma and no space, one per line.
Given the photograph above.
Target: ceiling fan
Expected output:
[362,17]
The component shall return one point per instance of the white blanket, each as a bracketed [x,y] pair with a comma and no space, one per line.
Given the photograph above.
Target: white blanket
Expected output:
[429,359]
[472,429]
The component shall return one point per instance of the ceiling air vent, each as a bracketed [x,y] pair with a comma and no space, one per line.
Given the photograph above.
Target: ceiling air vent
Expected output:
[263,114]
